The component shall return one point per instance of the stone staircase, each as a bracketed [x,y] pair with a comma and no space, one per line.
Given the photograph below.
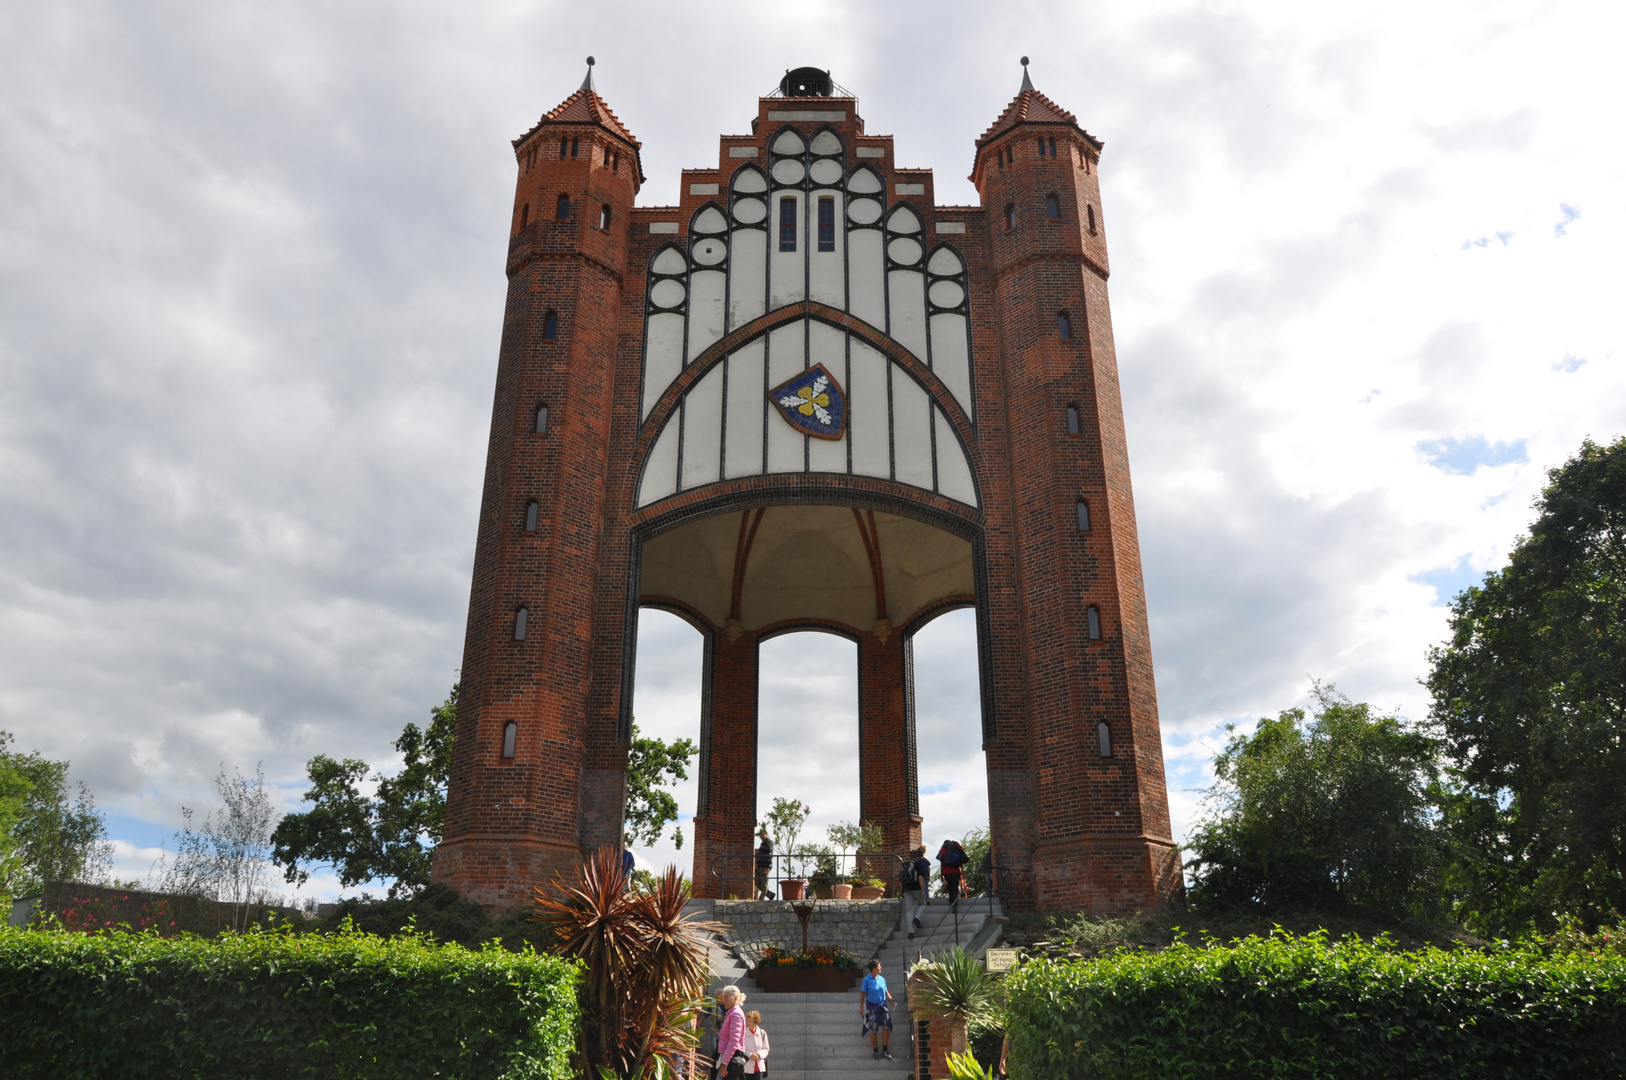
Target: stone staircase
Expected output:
[817,1035]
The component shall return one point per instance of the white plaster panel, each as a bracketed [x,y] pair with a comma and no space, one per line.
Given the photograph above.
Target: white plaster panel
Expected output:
[786,284]
[709,220]
[742,151]
[951,226]
[666,294]
[747,375]
[828,346]
[660,469]
[908,304]
[944,262]
[711,251]
[904,250]
[947,293]
[705,309]
[865,267]
[658,227]
[953,470]
[865,181]
[864,211]
[826,142]
[748,277]
[949,358]
[750,211]
[751,179]
[789,171]
[872,151]
[786,356]
[827,171]
[867,425]
[911,430]
[703,430]
[903,220]
[663,356]
[911,189]
[702,189]
[669,261]
[827,269]
[789,143]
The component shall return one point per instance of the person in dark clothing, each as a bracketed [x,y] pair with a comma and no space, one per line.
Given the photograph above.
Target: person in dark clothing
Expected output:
[915,875]
[764,863]
[951,860]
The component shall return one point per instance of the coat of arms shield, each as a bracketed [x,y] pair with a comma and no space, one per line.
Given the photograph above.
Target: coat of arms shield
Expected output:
[812,403]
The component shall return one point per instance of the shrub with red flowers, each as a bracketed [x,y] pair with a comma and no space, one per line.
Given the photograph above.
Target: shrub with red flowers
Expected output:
[116,914]
[819,956]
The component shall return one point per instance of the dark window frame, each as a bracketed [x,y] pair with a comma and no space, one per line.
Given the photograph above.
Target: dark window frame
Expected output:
[1073,426]
[1064,326]
[532,512]
[541,420]
[522,617]
[510,737]
[827,223]
[1083,511]
[787,229]
[1092,622]
[1052,207]
[561,209]
[550,325]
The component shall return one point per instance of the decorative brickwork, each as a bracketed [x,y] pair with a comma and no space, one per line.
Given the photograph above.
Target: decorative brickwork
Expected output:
[652,335]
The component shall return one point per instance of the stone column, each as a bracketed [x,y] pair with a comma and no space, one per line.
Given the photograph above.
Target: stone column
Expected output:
[725,815]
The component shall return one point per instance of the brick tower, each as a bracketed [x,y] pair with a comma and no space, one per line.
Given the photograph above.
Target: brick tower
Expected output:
[808,397]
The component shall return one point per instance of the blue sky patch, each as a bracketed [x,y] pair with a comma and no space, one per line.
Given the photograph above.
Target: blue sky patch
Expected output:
[1570,214]
[1463,457]
[1570,363]
[1450,580]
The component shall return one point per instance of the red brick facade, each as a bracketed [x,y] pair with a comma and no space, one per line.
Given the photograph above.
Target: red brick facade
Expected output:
[1081,830]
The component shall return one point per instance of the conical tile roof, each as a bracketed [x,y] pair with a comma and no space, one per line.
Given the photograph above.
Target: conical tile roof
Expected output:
[583,107]
[1031,107]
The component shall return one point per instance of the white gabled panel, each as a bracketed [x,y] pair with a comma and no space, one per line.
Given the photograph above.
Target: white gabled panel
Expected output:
[786,280]
[950,361]
[703,430]
[660,470]
[908,289]
[866,288]
[663,356]
[911,431]
[828,346]
[748,274]
[705,310]
[742,423]
[868,426]
[827,276]
[953,470]
[786,356]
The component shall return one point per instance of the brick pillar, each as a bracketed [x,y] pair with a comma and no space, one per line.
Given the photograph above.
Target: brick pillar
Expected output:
[725,814]
[888,780]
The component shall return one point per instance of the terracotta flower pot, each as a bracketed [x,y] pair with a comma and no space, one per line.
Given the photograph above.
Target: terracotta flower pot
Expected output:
[823,891]
[867,892]
[844,892]
[792,888]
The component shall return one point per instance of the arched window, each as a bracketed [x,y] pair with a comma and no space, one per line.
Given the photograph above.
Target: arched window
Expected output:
[604,217]
[1052,147]
[1092,618]
[550,325]
[787,224]
[573,147]
[1091,211]
[1041,148]
[1010,216]
[1064,326]
[562,211]
[530,516]
[564,147]
[1083,516]
[1072,419]
[521,617]
[510,735]
[541,419]
[1104,733]
[525,215]
[1052,207]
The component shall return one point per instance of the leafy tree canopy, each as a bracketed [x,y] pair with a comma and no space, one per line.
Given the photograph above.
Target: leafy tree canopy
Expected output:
[652,764]
[1331,809]
[48,831]
[1530,696]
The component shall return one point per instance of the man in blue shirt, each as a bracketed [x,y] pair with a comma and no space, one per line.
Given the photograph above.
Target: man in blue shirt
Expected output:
[876,1011]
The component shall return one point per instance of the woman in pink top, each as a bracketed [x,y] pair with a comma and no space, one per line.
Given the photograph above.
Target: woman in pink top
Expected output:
[731,1055]
[756,1045]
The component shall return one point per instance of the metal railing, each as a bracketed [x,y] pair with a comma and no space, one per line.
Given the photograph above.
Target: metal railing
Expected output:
[739,875]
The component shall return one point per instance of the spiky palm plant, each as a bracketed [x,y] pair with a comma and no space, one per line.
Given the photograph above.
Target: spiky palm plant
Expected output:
[955,988]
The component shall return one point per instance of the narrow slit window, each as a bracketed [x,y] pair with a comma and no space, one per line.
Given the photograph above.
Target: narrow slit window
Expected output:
[564,148]
[787,224]
[1052,147]
[562,210]
[541,419]
[510,735]
[1041,148]
[525,215]
[1072,419]
[1090,210]
[521,617]
[1064,326]
[827,224]
[1010,217]
[550,325]
[615,161]
[530,516]
[604,217]
[1083,516]
[1092,618]
[573,147]
[1104,734]
[1052,207]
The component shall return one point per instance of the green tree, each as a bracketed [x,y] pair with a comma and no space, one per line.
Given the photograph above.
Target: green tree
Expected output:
[652,764]
[1530,697]
[389,835]
[48,831]
[1336,808]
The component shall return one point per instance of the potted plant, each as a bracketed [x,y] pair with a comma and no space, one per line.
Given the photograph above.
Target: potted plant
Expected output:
[844,890]
[861,839]
[785,818]
[868,888]
[824,870]
[955,989]
[820,969]
[791,888]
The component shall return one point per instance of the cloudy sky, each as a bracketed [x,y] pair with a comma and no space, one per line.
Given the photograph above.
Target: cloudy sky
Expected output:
[251,285]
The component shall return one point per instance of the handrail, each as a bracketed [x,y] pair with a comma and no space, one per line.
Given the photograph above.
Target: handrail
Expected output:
[740,869]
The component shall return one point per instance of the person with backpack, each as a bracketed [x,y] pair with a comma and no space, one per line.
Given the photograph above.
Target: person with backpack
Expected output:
[914,874]
[951,860]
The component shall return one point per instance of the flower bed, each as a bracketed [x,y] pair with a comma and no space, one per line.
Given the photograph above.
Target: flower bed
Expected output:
[823,969]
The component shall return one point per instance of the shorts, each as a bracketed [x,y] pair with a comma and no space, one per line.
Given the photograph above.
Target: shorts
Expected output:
[876,1018]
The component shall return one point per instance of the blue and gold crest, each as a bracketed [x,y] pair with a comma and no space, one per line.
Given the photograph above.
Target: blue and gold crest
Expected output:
[812,403]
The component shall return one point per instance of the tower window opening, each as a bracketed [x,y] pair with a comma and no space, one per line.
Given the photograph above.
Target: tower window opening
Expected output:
[604,217]
[542,419]
[564,148]
[1064,326]
[1052,147]
[1083,516]
[1104,734]
[1090,211]
[1092,620]
[521,617]
[550,325]
[530,516]
[573,147]
[1010,216]
[615,161]
[510,734]
[1052,207]
[1041,148]
[562,210]
[525,215]
[1001,159]
[1072,419]
[827,224]
[787,224]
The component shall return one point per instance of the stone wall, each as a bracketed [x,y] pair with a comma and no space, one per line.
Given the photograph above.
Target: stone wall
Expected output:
[858,926]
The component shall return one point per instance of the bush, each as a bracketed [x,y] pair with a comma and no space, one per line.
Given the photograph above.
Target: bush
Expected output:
[280,1005]
[1300,1007]
[440,912]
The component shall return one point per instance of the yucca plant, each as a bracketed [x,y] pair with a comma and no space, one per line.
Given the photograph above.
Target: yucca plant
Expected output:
[955,988]
[645,965]
[965,1067]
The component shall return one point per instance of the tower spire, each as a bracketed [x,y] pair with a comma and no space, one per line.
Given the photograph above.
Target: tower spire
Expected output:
[1027,83]
[587,83]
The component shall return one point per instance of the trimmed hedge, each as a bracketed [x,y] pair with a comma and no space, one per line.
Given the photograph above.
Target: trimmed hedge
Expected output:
[279,1005]
[1301,1007]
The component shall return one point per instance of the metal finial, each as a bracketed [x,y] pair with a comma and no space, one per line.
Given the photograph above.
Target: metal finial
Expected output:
[587,83]
[1027,83]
